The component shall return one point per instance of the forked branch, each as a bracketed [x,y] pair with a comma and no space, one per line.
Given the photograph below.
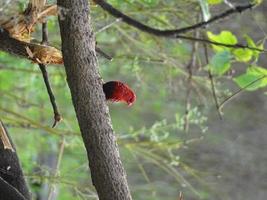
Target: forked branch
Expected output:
[176,33]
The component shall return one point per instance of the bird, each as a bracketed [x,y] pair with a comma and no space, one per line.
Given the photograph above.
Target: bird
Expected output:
[117,91]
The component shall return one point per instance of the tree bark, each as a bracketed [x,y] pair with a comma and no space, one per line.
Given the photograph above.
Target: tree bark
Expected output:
[78,47]
[12,183]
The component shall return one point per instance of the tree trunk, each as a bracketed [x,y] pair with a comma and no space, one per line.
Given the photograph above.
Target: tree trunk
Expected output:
[12,182]
[78,47]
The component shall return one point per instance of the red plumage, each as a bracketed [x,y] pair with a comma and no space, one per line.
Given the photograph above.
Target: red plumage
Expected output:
[117,91]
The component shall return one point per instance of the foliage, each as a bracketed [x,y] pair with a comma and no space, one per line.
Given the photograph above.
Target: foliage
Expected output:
[151,133]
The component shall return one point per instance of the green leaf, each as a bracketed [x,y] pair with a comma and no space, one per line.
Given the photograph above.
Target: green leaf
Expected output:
[256,1]
[258,71]
[212,2]
[225,37]
[253,74]
[243,55]
[221,62]
[252,44]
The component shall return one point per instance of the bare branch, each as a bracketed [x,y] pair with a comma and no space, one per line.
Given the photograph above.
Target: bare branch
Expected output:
[12,182]
[176,33]
[213,89]
[44,34]
[190,66]
[181,196]
[102,53]
[168,33]
[57,116]
[21,25]
[206,41]
[52,189]
[38,53]
[239,91]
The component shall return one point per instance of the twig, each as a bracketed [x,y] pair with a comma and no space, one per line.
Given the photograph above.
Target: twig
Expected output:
[181,196]
[239,91]
[213,89]
[57,116]
[220,44]
[102,53]
[107,26]
[36,124]
[59,159]
[167,33]
[190,65]
[229,4]
[44,34]
[175,33]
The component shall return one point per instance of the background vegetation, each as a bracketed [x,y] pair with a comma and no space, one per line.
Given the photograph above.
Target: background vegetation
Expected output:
[172,139]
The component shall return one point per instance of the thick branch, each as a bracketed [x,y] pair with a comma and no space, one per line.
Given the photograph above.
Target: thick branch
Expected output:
[168,33]
[13,46]
[8,192]
[176,33]
[78,46]
[21,25]
[12,182]
[38,53]
[41,54]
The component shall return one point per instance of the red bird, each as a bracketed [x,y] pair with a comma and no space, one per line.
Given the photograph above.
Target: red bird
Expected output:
[117,91]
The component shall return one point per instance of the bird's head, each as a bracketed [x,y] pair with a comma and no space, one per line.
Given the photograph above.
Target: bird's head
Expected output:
[117,91]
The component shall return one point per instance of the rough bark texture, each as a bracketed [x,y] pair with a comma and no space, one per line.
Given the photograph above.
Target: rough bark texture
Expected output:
[41,53]
[12,182]
[78,46]
[13,46]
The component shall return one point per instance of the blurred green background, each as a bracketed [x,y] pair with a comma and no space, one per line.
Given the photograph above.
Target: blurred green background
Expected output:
[171,139]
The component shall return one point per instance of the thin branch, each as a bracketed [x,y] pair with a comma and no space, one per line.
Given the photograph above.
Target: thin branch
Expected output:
[102,53]
[107,26]
[56,171]
[57,116]
[181,196]
[221,44]
[44,34]
[36,124]
[239,91]
[168,33]
[190,65]
[175,33]
[229,4]
[213,89]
